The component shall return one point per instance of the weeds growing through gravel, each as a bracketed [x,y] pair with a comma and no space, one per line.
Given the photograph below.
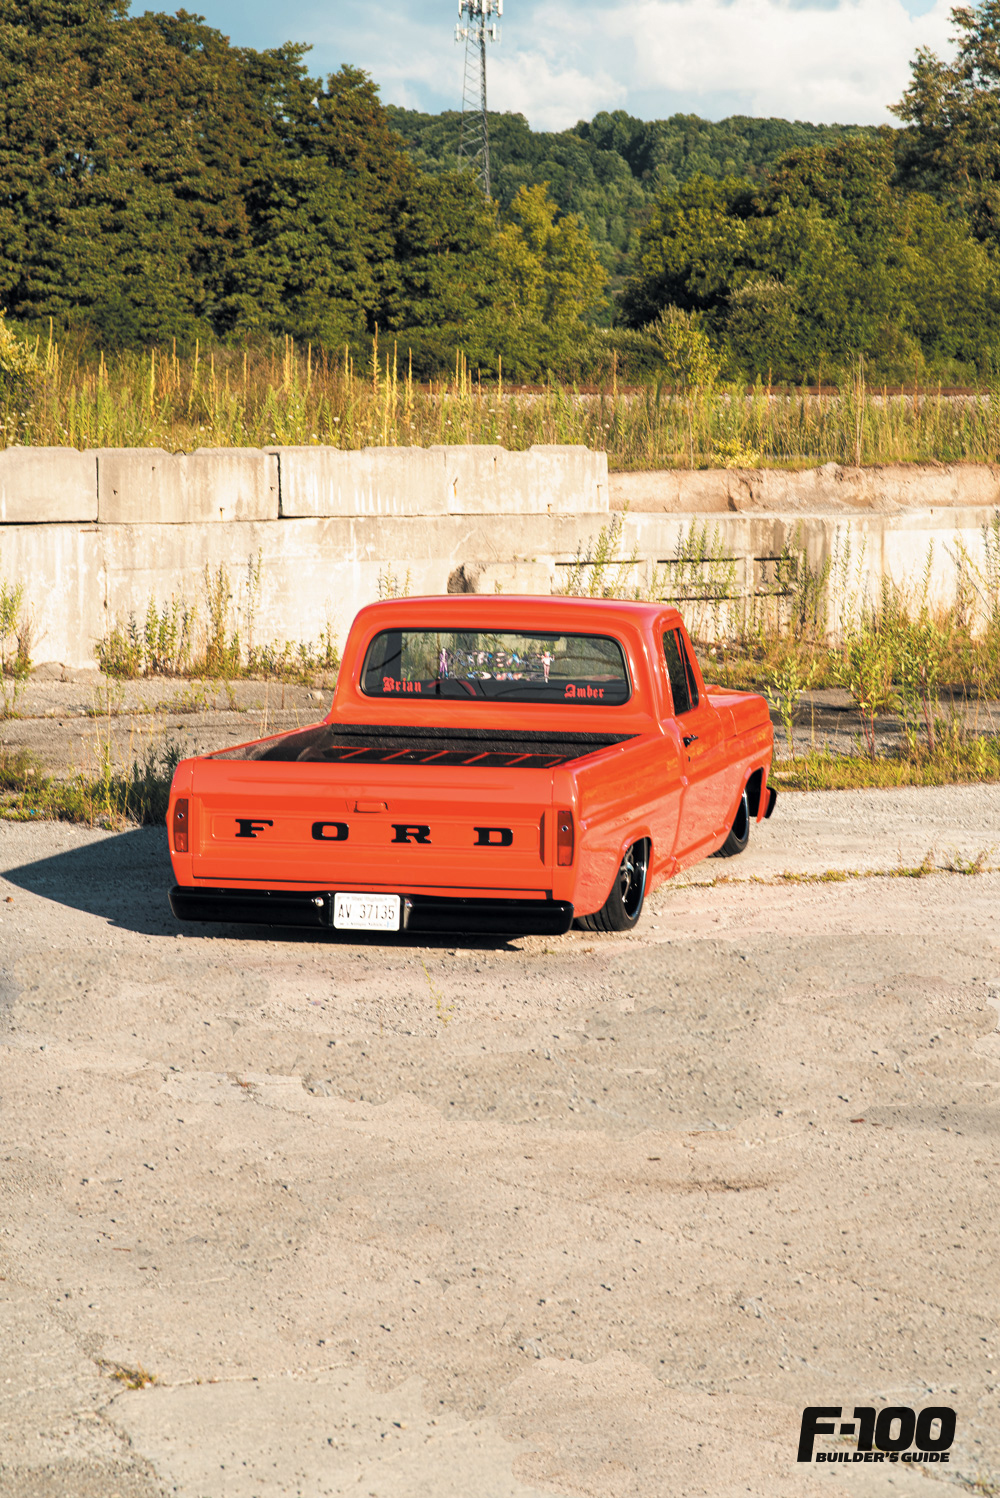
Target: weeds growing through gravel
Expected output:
[137,793]
[953,863]
[15,646]
[133,1378]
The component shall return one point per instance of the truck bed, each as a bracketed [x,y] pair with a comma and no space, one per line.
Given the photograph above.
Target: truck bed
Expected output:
[395,744]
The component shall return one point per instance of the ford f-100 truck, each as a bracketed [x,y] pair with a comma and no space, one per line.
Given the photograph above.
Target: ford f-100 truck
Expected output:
[490,764]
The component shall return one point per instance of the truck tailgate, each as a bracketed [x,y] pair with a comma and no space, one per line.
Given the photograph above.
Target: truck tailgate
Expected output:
[366,826]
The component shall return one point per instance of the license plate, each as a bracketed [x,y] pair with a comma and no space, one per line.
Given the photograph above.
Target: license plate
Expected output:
[360,912]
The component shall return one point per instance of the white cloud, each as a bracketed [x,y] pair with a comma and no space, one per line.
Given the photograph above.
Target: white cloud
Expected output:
[551,94]
[845,63]
[563,60]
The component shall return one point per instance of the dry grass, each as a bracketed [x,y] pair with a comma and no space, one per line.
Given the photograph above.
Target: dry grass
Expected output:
[136,793]
[290,395]
[977,760]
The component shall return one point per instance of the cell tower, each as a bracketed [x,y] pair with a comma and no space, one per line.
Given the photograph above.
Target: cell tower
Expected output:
[477,25]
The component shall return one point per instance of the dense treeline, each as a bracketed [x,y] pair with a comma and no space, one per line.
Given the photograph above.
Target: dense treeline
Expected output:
[158,184]
[610,170]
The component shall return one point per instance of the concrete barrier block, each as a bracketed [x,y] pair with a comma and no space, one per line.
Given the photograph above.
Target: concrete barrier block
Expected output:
[480,479]
[40,485]
[144,485]
[61,568]
[672,491]
[572,477]
[324,481]
[546,480]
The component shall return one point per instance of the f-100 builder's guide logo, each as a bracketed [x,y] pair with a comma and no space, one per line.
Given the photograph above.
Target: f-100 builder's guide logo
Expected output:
[895,1434]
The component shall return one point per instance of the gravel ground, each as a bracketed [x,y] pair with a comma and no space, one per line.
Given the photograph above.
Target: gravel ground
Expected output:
[590,1216]
[68,723]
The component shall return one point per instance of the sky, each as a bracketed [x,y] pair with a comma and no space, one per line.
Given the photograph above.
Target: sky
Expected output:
[826,61]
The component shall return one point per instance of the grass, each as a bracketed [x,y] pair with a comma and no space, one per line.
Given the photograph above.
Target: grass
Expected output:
[976,760]
[288,396]
[953,863]
[798,627]
[113,797]
[132,1378]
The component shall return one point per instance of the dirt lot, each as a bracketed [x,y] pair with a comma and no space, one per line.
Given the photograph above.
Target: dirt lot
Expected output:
[589,1216]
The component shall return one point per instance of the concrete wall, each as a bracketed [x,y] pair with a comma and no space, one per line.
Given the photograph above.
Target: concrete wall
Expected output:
[830,489]
[441,481]
[94,536]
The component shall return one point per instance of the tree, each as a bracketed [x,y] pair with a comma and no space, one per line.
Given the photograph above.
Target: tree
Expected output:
[444,235]
[689,250]
[827,259]
[953,148]
[683,348]
[546,285]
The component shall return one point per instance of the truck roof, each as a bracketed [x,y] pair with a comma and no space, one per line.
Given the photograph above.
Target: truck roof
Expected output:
[525,610]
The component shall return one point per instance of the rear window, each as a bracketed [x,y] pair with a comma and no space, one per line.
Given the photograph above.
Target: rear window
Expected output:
[496,666]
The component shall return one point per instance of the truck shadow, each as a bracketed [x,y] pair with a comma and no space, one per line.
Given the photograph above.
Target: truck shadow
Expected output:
[122,879]
[125,880]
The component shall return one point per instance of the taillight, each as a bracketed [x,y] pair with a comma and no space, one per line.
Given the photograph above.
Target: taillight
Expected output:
[180,825]
[564,838]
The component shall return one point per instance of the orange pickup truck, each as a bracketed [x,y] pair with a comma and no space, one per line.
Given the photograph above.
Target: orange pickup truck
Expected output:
[489,764]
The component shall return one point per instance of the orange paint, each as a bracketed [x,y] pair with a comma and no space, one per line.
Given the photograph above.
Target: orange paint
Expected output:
[436,791]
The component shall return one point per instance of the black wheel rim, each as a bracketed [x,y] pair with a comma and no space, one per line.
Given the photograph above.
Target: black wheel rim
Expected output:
[741,822]
[632,880]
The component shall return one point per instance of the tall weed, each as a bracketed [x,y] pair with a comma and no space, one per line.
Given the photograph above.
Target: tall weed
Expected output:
[284,395]
[213,638]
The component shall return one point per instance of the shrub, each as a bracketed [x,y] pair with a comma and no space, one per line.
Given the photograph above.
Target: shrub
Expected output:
[20,368]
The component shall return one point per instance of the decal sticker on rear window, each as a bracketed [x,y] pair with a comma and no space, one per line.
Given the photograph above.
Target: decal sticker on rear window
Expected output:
[471,665]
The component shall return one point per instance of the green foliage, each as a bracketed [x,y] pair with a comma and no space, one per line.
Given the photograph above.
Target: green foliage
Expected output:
[609,171]
[683,349]
[866,664]
[290,396]
[953,147]
[547,282]
[136,793]
[164,189]
[161,645]
[170,640]
[20,369]
[15,646]
[800,627]
[783,685]
[827,259]
[599,572]
[970,760]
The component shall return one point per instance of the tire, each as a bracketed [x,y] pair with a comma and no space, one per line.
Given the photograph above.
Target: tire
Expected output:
[623,907]
[739,832]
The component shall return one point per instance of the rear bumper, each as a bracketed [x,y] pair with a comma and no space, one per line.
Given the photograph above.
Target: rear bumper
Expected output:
[423,913]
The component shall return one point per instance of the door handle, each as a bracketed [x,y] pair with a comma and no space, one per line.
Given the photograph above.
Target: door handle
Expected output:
[689,739]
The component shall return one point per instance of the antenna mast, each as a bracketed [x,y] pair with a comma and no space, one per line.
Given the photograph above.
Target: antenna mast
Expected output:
[477,24]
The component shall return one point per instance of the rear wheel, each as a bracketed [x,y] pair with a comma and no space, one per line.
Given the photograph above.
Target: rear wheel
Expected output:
[623,907]
[739,832]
